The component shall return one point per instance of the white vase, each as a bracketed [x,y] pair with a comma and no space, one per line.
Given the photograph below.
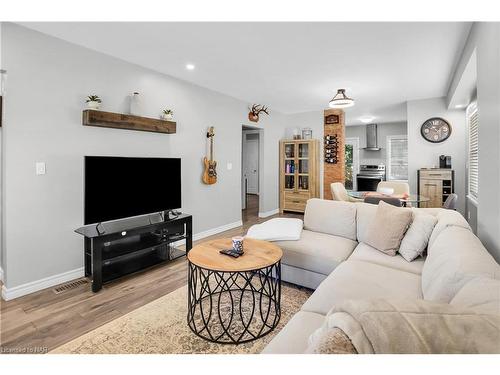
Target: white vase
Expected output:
[93,105]
[135,104]
[168,117]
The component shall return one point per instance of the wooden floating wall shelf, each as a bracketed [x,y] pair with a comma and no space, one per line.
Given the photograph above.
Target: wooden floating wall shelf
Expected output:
[122,121]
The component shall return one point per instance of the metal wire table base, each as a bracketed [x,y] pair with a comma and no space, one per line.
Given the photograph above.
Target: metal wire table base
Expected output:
[233,307]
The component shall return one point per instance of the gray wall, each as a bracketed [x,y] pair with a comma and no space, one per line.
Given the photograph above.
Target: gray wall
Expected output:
[484,41]
[383,130]
[48,81]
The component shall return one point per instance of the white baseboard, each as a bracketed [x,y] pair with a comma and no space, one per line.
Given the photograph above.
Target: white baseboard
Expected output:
[269,213]
[211,232]
[35,286]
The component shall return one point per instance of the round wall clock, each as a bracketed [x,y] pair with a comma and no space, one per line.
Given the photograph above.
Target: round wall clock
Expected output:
[436,130]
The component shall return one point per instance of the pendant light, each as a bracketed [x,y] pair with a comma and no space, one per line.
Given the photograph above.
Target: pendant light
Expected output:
[341,100]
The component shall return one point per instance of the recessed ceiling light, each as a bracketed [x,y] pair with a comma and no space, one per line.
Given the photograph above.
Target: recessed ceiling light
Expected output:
[189,66]
[460,106]
[367,119]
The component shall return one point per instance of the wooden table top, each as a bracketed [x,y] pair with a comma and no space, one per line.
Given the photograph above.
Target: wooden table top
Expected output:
[257,254]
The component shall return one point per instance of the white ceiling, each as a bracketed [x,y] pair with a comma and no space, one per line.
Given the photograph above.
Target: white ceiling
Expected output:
[291,67]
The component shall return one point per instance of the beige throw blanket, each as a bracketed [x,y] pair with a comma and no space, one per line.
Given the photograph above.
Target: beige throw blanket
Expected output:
[413,326]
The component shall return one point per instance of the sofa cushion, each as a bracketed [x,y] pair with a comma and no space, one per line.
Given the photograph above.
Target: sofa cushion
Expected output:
[367,253]
[388,228]
[317,252]
[417,237]
[481,294]
[365,214]
[456,257]
[356,279]
[331,217]
[447,218]
[293,339]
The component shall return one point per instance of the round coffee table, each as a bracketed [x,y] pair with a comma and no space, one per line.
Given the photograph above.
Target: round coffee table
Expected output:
[234,300]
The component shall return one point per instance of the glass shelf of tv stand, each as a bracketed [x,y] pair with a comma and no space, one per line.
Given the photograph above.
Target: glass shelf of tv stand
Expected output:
[131,249]
[113,227]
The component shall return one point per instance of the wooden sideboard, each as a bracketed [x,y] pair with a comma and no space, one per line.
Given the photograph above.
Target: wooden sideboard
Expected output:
[299,173]
[436,184]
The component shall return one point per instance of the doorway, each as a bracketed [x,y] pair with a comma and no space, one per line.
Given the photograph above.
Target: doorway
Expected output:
[351,162]
[250,173]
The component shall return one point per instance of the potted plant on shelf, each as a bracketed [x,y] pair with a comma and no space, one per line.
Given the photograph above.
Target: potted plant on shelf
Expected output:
[93,102]
[167,115]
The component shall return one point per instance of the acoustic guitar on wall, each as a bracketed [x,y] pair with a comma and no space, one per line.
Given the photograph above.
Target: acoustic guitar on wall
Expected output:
[210,173]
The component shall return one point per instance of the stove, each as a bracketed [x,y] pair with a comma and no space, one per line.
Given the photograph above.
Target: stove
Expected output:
[369,176]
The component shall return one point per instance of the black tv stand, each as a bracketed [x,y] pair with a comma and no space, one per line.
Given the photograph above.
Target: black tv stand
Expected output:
[131,245]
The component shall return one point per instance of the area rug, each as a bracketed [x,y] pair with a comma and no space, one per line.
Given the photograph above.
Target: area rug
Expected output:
[161,327]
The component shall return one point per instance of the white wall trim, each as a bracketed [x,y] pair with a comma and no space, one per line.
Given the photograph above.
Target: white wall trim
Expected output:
[211,232]
[34,286]
[1,274]
[269,213]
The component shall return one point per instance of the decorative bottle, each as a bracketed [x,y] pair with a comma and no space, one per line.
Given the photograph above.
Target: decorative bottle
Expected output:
[135,104]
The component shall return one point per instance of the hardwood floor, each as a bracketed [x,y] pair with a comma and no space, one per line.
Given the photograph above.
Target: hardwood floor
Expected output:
[252,210]
[45,320]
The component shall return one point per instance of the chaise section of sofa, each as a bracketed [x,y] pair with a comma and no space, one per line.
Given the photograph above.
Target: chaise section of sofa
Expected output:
[328,239]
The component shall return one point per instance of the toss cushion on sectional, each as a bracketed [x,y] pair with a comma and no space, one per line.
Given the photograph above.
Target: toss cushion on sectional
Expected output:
[388,228]
[455,258]
[365,214]
[366,253]
[417,236]
[277,229]
[362,280]
[331,217]
[317,252]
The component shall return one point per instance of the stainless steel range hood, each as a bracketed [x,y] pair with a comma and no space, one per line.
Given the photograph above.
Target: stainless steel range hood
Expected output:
[371,138]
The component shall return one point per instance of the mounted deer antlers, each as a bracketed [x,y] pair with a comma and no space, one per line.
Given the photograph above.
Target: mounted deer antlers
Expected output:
[253,115]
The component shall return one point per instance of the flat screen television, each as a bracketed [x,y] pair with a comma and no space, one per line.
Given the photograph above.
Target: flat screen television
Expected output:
[121,187]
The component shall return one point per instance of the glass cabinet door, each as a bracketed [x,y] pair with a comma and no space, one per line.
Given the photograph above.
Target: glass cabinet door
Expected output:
[303,170]
[289,150]
[304,150]
[303,182]
[290,166]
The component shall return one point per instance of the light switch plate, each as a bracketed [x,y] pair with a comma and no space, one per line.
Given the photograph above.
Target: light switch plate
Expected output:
[229,166]
[40,168]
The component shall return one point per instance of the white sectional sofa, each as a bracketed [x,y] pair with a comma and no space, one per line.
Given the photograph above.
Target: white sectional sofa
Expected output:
[332,258]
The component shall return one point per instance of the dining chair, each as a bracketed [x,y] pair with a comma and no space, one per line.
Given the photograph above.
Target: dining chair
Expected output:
[376,200]
[451,202]
[399,187]
[339,193]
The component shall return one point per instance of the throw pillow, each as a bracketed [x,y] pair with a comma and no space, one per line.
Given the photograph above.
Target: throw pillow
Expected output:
[278,229]
[387,230]
[417,237]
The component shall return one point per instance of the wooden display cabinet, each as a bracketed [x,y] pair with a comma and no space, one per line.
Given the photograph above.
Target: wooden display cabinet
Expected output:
[299,173]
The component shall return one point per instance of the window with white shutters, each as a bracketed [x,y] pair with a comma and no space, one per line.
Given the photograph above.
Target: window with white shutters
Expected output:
[473,162]
[397,157]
